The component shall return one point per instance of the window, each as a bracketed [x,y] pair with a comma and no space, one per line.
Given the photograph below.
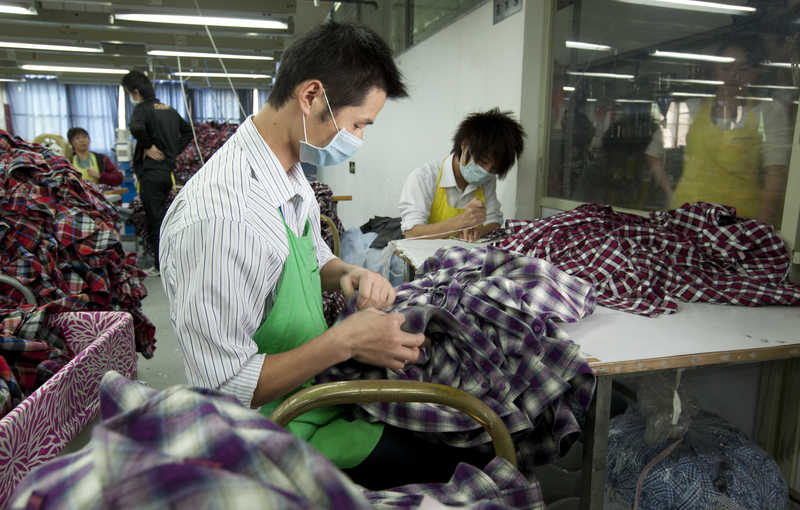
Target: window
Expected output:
[653,107]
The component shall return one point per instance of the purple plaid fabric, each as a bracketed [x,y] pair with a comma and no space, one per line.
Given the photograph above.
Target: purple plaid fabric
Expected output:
[491,318]
[332,301]
[190,448]
[698,252]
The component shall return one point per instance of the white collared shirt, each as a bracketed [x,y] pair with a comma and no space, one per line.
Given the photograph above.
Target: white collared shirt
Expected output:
[223,247]
[419,189]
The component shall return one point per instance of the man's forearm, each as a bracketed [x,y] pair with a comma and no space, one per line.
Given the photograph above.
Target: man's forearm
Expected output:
[439,230]
[332,273]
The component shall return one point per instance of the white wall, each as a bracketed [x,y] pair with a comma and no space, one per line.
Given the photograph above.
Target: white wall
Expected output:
[469,66]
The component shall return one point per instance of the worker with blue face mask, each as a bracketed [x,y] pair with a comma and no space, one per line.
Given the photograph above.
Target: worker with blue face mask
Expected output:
[456,196]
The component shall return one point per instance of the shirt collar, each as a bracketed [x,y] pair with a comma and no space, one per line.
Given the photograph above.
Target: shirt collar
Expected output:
[280,186]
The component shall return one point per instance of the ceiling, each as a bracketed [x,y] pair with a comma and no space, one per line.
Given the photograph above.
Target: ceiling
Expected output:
[125,44]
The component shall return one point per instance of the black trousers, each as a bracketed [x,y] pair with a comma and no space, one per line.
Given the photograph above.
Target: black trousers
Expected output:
[401,458]
[155,183]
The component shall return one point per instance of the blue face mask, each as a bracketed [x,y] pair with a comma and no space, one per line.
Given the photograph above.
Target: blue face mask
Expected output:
[341,148]
[475,174]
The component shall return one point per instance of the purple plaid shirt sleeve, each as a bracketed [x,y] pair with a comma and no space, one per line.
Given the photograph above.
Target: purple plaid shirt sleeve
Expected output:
[185,448]
[491,318]
[697,253]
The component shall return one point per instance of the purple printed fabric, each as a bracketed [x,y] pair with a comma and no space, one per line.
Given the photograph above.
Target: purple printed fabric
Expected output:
[697,253]
[38,428]
[491,318]
[332,301]
[185,448]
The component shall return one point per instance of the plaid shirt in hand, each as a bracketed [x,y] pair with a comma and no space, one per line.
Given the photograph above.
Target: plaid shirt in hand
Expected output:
[491,320]
[698,252]
[190,448]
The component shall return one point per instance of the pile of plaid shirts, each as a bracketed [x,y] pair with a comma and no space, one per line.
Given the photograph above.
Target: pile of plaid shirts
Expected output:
[698,252]
[332,301]
[491,319]
[58,238]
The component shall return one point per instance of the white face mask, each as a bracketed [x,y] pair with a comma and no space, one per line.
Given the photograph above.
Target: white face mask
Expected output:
[341,148]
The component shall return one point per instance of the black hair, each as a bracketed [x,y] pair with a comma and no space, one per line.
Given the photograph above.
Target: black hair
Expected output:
[75,131]
[348,59]
[491,135]
[137,80]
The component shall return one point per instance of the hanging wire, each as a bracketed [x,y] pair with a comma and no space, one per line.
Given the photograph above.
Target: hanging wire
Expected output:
[221,63]
[189,114]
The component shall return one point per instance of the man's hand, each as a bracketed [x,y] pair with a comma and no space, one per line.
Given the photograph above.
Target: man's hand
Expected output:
[373,289]
[471,235]
[375,337]
[474,214]
[154,153]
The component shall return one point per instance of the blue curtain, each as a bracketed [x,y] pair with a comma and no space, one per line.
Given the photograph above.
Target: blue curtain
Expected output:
[38,106]
[263,95]
[216,104]
[170,94]
[94,108]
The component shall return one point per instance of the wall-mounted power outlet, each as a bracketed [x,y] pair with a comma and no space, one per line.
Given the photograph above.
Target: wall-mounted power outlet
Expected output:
[505,8]
[352,167]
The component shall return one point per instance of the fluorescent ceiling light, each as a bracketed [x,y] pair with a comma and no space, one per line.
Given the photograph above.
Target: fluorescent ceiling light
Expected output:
[70,69]
[199,54]
[692,56]
[220,75]
[567,88]
[591,100]
[602,75]
[695,5]
[754,98]
[633,100]
[336,6]
[777,64]
[50,47]
[694,82]
[40,76]
[578,45]
[10,80]
[777,87]
[214,21]
[17,9]
[691,94]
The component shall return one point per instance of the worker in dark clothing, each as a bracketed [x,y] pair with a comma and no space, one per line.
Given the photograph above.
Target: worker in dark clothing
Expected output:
[161,134]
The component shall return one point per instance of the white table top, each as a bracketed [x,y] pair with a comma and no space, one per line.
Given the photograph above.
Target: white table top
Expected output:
[699,334]
[417,250]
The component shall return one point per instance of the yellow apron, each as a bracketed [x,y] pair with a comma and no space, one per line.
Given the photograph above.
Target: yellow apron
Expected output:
[85,171]
[722,166]
[440,209]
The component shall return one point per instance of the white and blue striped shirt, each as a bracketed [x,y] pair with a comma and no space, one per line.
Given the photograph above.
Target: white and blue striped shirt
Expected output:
[223,246]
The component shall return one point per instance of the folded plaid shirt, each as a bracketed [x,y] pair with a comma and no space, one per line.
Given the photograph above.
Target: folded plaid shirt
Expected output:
[191,448]
[58,237]
[698,252]
[491,317]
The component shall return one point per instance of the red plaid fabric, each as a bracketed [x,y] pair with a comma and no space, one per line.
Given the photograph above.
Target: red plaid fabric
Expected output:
[698,252]
[57,236]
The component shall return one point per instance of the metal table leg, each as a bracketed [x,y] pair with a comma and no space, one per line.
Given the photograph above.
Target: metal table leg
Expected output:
[595,446]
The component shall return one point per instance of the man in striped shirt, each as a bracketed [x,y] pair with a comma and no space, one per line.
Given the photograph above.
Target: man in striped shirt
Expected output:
[242,259]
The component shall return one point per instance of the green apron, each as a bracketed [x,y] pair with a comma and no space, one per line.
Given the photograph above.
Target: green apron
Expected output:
[295,318]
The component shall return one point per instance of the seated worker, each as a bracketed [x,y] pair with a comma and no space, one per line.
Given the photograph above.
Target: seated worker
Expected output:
[457,193]
[243,261]
[95,168]
[737,150]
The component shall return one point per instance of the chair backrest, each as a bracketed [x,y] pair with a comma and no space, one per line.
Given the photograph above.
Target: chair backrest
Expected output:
[55,143]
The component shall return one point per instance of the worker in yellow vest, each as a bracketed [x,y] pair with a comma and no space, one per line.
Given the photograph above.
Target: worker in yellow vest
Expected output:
[737,147]
[456,196]
[94,167]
